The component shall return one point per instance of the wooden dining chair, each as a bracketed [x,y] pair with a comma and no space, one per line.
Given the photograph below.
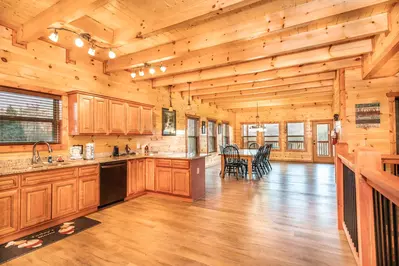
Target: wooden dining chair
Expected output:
[232,161]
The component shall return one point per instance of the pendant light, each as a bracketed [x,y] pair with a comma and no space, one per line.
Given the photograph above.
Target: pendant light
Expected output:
[258,126]
[189,95]
[170,99]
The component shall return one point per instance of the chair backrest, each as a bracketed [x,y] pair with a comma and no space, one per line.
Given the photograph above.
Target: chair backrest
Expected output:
[235,146]
[253,146]
[259,154]
[231,154]
[268,149]
[221,148]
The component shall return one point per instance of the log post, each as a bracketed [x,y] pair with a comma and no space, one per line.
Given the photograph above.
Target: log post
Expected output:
[341,148]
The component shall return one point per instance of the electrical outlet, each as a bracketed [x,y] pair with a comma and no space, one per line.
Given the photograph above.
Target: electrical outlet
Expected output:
[197,170]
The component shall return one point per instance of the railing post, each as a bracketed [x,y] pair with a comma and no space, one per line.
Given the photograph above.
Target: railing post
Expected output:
[340,148]
[366,157]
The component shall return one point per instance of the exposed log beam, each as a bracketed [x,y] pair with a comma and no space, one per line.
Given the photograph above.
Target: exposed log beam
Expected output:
[273,95]
[324,54]
[274,74]
[255,26]
[378,63]
[264,84]
[99,31]
[62,11]
[288,106]
[227,95]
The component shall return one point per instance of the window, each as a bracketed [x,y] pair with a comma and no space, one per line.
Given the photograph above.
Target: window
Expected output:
[248,135]
[225,134]
[211,136]
[296,136]
[192,135]
[272,135]
[27,117]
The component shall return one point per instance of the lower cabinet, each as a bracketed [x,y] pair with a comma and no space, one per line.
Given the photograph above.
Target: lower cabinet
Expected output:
[164,179]
[9,212]
[132,177]
[150,174]
[181,182]
[88,192]
[140,175]
[64,198]
[35,205]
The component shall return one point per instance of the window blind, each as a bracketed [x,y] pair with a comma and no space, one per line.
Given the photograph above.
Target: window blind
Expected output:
[27,117]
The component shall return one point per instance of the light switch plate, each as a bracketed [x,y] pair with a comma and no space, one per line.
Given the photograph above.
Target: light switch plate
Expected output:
[197,170]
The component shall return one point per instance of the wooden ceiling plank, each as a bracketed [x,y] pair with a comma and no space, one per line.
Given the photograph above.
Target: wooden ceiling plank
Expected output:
[291,106]
[274,74]
[264,84]
[290,17]
[63,11]
[313,56]
[97,30]
[376,64]
[273,95]
[225,95]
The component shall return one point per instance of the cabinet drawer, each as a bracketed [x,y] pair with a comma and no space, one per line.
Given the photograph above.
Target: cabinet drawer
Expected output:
[48,176]
[184,164]
[88,170]
[164,162]
[8,182]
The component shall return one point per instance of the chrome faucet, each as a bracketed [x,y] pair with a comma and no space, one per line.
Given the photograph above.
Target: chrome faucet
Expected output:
[35,154]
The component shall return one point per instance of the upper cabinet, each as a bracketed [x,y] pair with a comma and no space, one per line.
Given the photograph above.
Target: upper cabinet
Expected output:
[97,115]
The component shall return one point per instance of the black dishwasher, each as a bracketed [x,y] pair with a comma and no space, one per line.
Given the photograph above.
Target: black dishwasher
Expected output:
[113,182]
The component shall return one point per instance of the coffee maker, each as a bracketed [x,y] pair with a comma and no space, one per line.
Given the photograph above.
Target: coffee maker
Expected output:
[115,151]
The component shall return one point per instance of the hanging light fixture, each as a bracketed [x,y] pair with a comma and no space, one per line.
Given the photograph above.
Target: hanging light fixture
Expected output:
[163,68]
[54,36]
[141,73]
[79,42]
[92,51]
[258,127]
[133,75]
[189,96]
[111,54]
[170,99]
[151,70]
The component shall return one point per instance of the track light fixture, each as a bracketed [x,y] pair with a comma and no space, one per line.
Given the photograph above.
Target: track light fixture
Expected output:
[54,36]
[151,69]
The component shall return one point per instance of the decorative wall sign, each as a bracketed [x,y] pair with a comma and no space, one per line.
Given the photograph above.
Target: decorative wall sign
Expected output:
[368,115]
[168,122]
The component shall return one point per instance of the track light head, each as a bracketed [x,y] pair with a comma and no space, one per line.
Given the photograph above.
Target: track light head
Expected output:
[141,73]
[79,42]
[152,71]
[133,75]
[92,51]
[163,68]
[54,36]
[111,54]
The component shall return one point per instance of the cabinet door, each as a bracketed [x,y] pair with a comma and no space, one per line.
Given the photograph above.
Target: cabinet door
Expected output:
[100,115]
[35,205]
[141,175]
[132,177]
[181,182]
[146,120]
[150,174]
[88,192]
[86,118]
[117,116]
[164,179]
[9,212]
[133,119]
[64,198]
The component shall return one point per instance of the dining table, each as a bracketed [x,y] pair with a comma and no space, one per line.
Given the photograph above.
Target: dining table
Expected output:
[247,154]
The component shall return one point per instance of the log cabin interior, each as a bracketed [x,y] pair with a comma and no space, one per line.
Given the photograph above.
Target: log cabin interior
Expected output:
[199,132]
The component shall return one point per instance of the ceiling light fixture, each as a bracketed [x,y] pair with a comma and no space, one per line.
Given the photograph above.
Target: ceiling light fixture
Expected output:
[78,42]
[133,75]
[258,127]
[111,54]
[141,73]
[151,71]
[92,51]
[54,36]
[189,96]
[163,68]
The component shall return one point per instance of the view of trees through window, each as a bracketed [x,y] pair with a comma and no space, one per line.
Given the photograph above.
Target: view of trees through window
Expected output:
[211,136]
[296,136]
[192,136]
[225,134]
[27,118]
[272,135]
[248,135]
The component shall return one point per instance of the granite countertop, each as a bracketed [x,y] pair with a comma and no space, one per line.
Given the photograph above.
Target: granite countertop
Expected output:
[18,169]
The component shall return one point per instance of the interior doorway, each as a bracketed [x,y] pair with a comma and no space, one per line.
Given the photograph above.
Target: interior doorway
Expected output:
[322,144]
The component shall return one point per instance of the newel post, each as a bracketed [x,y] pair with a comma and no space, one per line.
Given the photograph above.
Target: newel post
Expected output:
[366,157]
[340,148]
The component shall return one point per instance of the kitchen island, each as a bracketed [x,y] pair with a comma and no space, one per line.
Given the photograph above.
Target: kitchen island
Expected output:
[38,197]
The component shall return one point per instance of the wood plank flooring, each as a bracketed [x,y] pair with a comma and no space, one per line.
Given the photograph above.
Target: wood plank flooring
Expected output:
[288,218]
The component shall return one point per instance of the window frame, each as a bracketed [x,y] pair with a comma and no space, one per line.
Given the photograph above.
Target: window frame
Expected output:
[41,92]
[215,135]
[198,141]
[279,135]
[224,124]
[304,136]
[241,136]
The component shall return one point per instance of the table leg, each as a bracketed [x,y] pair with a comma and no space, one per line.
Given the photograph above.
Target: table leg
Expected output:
[250,167]
[222,165]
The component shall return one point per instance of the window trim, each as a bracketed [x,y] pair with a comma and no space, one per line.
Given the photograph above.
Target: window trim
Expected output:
[228,124]
[207,135]
[241,136]
[38,91]
[304,136]
[188,116]
[279,134]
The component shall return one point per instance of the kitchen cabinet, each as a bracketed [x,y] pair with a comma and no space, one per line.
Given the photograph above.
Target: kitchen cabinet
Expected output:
[146,120]
[88,192]
[9,211]
[181,182]
[64,198]
[117,117]
[133,119]
[150,174]
[140,175]
[100,115]
[35,205]
[86,109]
[164,179]
[132,177]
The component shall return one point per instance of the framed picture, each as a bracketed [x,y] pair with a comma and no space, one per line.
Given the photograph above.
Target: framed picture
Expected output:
[168,122]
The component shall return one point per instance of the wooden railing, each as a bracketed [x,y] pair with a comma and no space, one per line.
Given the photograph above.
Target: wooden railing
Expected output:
[390,163]
[323,148]
[367,203]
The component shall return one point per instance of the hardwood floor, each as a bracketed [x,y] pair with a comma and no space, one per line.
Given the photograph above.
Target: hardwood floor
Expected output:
[288,218]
